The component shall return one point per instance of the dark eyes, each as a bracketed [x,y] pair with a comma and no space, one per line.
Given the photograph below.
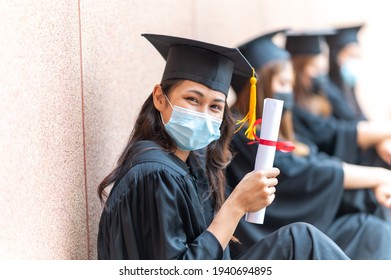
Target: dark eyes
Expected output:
[195,101]
[217,107]
[192,99]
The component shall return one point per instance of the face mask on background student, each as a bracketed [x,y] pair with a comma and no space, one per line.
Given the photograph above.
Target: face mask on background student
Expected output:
[192,130]
[351,71]
[288,99]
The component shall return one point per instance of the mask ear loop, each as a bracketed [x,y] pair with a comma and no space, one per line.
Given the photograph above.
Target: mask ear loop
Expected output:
[168,101]
[161,116]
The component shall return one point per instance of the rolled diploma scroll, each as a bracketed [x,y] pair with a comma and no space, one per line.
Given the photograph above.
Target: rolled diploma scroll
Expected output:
[270,126]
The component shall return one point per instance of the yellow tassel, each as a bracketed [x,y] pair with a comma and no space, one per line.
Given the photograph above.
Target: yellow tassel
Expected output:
[251,114]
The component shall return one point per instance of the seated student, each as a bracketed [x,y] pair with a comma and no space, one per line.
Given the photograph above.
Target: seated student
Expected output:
[311,184]
[353,141]
[168,201]
[312,115]
[344,69]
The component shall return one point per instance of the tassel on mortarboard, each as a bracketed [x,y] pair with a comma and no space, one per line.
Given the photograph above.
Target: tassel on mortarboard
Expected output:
[251,114]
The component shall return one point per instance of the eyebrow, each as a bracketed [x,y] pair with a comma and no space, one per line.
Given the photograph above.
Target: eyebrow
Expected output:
[203,95]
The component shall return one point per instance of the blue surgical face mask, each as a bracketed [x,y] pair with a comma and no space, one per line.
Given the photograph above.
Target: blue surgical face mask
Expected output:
[351,71]
[288,99]
[192,130]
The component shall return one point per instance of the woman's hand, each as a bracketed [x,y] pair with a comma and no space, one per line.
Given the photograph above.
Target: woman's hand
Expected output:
[384,150]
[383,194]
[256,190]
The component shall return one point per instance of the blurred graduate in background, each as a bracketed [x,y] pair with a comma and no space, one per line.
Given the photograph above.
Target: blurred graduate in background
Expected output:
[353,141]
[311,183]
[313,116]
[345,71]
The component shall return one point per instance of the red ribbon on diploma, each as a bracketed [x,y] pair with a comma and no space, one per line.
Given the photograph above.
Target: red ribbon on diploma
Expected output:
[282,146]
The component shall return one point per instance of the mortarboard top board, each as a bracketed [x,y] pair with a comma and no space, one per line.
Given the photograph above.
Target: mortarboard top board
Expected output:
[343,37]
[211,65]
[307,42]
[260,51]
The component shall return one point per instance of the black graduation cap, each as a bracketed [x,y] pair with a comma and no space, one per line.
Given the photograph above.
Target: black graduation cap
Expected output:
[262,50]
[211,65]
[307,42]
[343,37]
[259,52]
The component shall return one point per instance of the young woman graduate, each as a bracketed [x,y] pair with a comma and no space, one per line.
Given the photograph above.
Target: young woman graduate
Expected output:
[344,72]
[353,141]
[311,184]
[168,201]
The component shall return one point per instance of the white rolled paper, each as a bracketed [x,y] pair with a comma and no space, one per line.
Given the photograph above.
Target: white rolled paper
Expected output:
[270,127]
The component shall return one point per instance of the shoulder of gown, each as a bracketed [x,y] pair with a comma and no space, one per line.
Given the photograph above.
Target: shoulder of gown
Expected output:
[156,212]
[332,136]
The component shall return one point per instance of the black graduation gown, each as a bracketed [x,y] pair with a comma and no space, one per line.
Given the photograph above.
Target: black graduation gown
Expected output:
[342,108]
[310,189]
[344,102]
[334,137]
[158,210]
[337,136]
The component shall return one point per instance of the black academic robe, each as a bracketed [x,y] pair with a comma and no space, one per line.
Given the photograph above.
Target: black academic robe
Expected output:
[342,108]
[337,136]
[160,209]
[348,110]
[348,98]
[310,189]
[334,137]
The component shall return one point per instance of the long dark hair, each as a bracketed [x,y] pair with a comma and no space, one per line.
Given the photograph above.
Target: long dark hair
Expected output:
[149,126]
[335,70]
[304,95]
